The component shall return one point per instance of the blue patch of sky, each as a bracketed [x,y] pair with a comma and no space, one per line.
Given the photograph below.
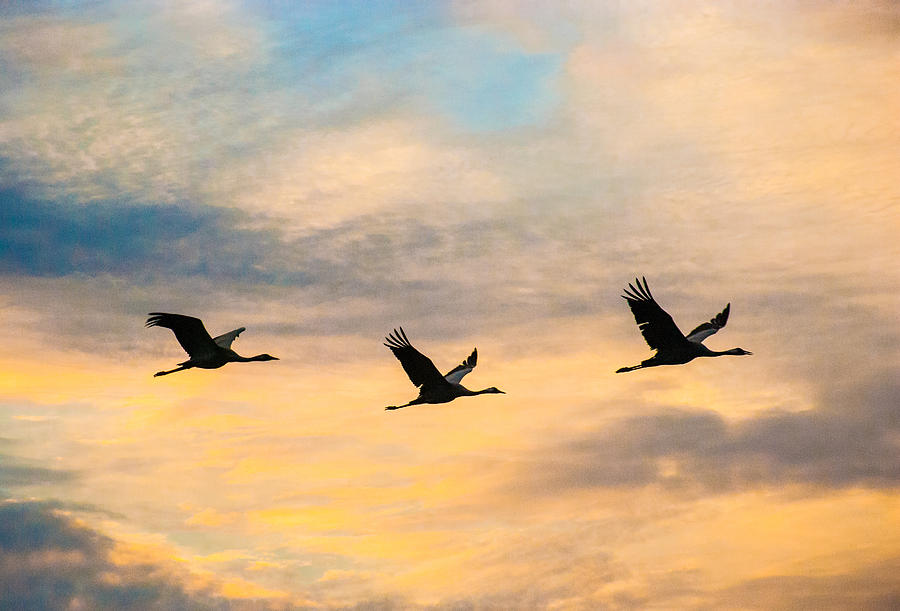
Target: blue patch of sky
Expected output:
[353,56]
[488,83]
[33,7]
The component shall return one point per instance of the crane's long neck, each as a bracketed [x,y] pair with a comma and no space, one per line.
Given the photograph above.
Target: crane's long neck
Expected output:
[247,359]
[733,352]
[470,393]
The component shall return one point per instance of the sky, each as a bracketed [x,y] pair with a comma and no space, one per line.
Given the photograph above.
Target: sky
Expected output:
[487,174]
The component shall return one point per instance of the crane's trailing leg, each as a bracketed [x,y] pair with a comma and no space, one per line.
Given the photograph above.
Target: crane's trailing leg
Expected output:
[624,369]
[413,402]
[163,373]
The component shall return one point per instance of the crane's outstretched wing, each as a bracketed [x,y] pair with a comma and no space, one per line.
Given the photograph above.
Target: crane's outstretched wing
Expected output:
[708,328]
[418,367]
[189,332]
[225,340]
[455,375]
[657,327]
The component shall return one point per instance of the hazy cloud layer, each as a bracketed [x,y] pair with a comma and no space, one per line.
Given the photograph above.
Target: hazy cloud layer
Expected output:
[16,473]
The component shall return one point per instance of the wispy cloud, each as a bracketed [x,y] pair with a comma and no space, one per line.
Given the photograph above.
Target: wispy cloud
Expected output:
[227,86]
[14,472]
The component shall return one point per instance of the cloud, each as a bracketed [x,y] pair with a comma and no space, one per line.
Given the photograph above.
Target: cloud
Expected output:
[107,262]
[166,104]
[13,472]
[849,439]
[381,178]
[875,587]
[77,122]
[384,166]
[50,561]
[41,238]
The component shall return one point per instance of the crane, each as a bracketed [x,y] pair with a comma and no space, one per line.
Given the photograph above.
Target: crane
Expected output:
[433,387]
[204,351]
[663,335]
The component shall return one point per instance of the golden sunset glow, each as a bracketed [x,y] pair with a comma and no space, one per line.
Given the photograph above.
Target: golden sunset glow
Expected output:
[487,175]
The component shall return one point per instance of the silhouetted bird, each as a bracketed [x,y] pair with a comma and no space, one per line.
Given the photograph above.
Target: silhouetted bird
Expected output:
[433,387]
[663,335]
[206,352]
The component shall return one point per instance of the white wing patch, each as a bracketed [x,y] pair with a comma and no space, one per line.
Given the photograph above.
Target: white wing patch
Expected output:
[225,340]
[708,328]
[701,334]
[455,375]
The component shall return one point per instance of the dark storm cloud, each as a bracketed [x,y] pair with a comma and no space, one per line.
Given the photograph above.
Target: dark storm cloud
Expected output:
[848,440]
[49,562]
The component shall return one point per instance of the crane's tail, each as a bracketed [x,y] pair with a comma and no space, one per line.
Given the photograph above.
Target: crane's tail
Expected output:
[624,369]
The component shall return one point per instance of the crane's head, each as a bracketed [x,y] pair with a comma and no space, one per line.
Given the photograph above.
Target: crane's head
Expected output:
[493,390]
[739,351]
[265,357]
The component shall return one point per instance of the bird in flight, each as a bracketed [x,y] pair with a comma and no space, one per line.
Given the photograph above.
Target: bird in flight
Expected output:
[662,334]
[206,352]
[433,387]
